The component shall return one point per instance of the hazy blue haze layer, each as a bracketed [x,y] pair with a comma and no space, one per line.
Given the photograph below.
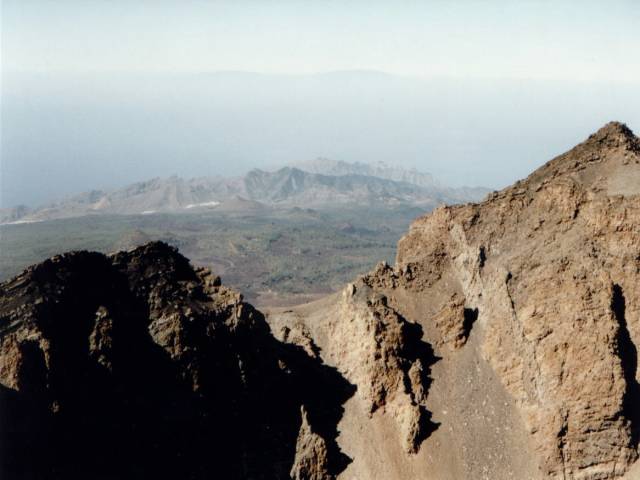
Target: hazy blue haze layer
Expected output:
[64,133]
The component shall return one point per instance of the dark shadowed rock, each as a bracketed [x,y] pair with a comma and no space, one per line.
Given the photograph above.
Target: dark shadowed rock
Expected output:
[139,366]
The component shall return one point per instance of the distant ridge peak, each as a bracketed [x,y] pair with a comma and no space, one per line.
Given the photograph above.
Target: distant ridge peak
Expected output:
[380,169]
[596,162]
[614,133]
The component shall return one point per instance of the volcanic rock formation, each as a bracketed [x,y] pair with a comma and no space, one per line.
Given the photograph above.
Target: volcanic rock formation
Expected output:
[551,267]
[501,345]
[137,365]
[531,303]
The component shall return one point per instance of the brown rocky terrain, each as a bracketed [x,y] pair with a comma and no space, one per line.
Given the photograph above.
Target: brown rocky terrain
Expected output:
[501,345]
[531,304]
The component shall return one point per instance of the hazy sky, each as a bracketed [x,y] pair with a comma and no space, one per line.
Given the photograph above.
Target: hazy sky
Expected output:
[99,93]
[493,38]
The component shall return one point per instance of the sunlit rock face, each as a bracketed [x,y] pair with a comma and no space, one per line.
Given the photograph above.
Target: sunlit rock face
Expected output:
[551,266]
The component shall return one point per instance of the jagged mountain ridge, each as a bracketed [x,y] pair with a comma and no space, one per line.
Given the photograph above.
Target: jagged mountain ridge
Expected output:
[502,344]
[326,166]
[256,190]
[297,187]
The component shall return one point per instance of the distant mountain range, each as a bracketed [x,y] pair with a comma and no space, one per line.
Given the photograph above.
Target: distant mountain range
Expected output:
[326,166]
[321,183]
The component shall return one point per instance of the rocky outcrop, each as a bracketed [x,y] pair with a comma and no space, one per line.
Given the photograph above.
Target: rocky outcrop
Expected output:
[139,365]
[551,265]
[382,353]
[375,349]
[530,302]
[311,461]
